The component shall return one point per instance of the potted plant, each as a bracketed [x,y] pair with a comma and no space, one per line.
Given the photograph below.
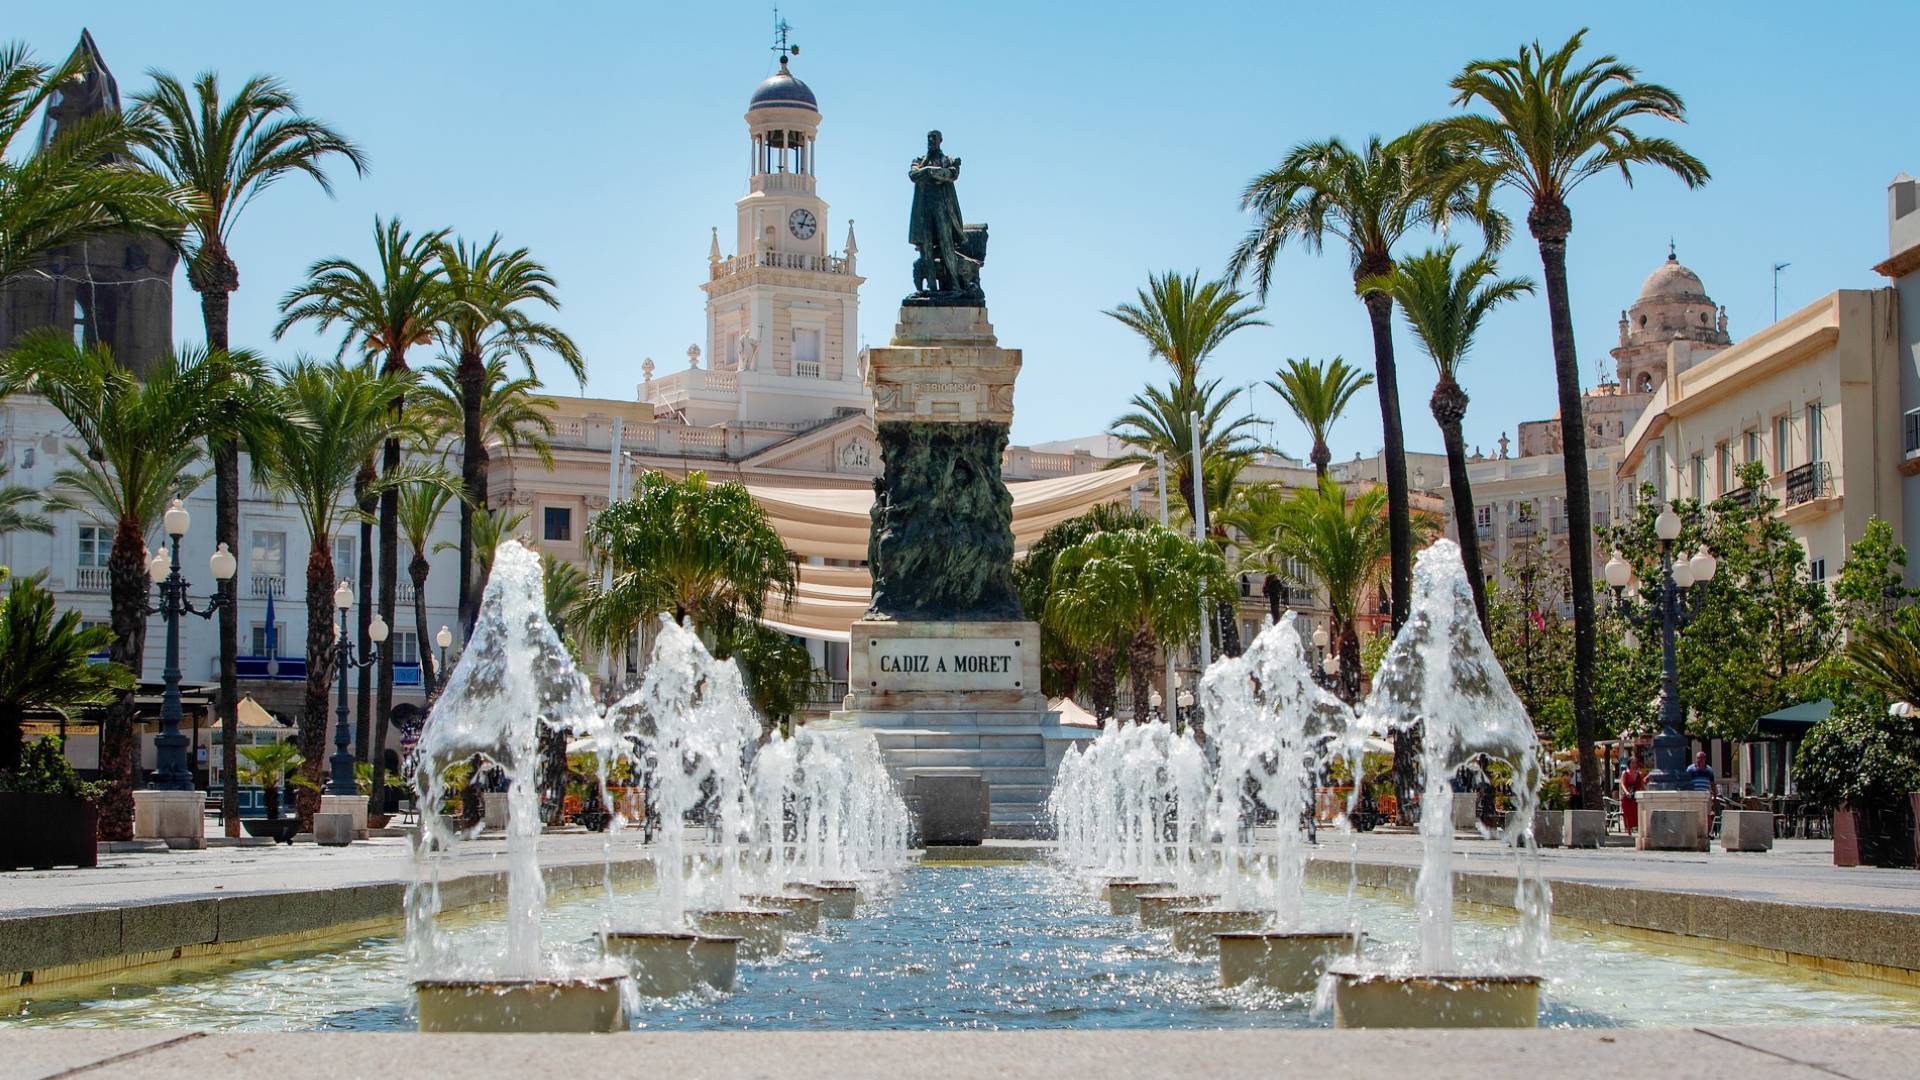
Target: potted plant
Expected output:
[1864,764]
[48,815]
[267,765]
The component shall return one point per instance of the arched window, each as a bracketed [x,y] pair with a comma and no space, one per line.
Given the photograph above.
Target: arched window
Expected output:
[82,326]
[1646,383]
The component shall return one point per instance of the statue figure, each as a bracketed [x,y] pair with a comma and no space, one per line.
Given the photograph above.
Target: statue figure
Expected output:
[947,271]
[749,352]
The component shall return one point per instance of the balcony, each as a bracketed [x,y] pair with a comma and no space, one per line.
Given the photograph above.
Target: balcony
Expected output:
[265,585]
[278,669]
[1742,497]
[1808,482]
[1523,527]
[94,579]
[806,369]
[826,693]
[404,595]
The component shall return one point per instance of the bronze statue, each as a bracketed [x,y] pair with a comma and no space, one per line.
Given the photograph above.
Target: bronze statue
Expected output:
[947,271]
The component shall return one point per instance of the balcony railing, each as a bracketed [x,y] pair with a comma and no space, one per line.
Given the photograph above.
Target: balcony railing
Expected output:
[1808,482]
[806,369]
[1741,496]
[265,585]
[1523,527]
[405,593]
[279,669]
[92,579]
[827,692]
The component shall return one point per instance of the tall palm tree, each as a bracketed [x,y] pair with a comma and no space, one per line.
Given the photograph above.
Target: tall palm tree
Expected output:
[1183,320]
[688,548]
[488,289]
[1341,544]
[138,445]
[79,183]
[1162,423]
[226,152]
[1367,197]
[14,513]
[1252,518]
[1140,586]
[1318,392]
[1445,307]
[46,663]
[1067,667]
[489,529]
[513,414]
[420,509]
[386,312]
[1552,122]
[343,415]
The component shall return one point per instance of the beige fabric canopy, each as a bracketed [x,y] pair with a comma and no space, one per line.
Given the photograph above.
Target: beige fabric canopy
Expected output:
[251,714]
[833,523]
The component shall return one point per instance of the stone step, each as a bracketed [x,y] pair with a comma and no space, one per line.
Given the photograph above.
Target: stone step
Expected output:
[1033,757]
[930,739]
[956,721]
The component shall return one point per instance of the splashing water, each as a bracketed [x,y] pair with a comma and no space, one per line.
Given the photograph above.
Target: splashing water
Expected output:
[1131,804]
[829,810]
[1440,679]
[514,680]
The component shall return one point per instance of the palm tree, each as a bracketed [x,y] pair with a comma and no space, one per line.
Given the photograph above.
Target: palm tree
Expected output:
[138,445]
[45,663]
[267,765]
[1445,308]
[1252,517]
[345,415]
[686,547]
[567,589]
[1183,320]
[1318,393]
[489,529]
[385,312]
[420,507]
[1065,667]
[1162,423]
[1555,122]
[226,153]
[488,288]
[1341,544]
[513,414]
[14,514]
[78,184]
[1369,198]
[1886,658]
[1141,586]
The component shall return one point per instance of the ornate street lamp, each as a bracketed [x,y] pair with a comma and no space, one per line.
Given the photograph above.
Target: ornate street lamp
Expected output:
[1154,701]
[341,780]
[1673,605]
[444,639]
[170,747]
[1183,706]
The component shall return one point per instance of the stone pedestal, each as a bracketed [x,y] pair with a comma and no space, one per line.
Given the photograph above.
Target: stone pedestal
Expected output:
[1159,911]
[1746,830]
[354,806]
[1671,830]
[177,817]
[1123,897]
[1546,827]
[802,912]
[836,901]
[1193,931]
[952,811]
[1585,828]
[570,1006]
[1374,1000]
[1282,961]
[759,930]
[1698,804]
[670,963]
[333,830]
[494,809]
[1462,804]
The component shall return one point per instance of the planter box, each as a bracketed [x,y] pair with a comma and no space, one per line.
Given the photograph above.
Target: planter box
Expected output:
[1876,837]
[1546,827]
[1585,828]
[1746,830]
[281,830]
[39,831]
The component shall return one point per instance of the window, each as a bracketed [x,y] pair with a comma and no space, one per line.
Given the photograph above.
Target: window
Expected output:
[1813,431]
[1782,432]
[558,523]
[1699,477]
[80,324]
[1910,426]
[268,554]
[406,647]
[1723,465]
[1483,516]
[806,353]
[1817,570]
[345,566]
[1660,471]
[1752,446]
[95,545]
[259,640]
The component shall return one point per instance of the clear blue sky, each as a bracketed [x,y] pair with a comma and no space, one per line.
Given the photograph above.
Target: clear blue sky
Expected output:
[1102,143]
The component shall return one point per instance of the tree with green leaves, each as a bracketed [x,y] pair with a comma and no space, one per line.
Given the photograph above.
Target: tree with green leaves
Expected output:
[1342,545]
[420,508]
[488,290]
[385,312]
[777,669]
[1161,423]
[1317,393]
[1871,588]
[514,415]
[1445,306]
[16,514]
[138,446]
[1183,320]
[46,664]
[1253,519]
[1533,643]
[1067,669]
[1552,122]
[78,184]
[1366,197]
[226,152]
[266,766]
[1140,586]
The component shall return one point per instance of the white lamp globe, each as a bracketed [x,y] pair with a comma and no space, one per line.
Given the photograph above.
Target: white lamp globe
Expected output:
[1667,525]
[444,638]
[343,596]
[1185,699]
[177,519]
[1154,699]
[1704,565]
[377,630]
[159,566]
[222,564]
[1331,665]
[1320,637]
[1618,572]
[1682,573]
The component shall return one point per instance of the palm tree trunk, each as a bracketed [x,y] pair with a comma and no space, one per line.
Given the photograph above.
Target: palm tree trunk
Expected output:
[1322,456]
[1449,409]
[363,642]
[417,570]
[119,743]
[1105,685]
[472,375]
[1141,649]
[1551,224]
[1393,442]
[320,676]
[389,595]
[1273,588]
[215,290]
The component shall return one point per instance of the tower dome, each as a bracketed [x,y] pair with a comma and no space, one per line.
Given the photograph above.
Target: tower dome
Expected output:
[1673,307]
[1672,281]
[782,89]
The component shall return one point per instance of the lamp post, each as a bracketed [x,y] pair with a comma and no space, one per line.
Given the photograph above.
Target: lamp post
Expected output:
[1326,668]
[1154,701]
[341,781]
[1183,709]
[1674,605]
[173,772]
[444,639]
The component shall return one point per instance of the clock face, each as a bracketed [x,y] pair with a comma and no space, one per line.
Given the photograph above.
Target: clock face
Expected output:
[801,224]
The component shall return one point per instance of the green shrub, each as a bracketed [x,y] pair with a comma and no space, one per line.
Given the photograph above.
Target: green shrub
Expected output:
[1859,756]
[44,770]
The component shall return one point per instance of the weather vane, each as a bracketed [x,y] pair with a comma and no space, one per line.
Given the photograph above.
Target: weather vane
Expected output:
[780,44]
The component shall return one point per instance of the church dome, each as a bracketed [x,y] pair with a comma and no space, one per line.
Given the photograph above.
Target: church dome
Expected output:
[782,90]
[1672,281]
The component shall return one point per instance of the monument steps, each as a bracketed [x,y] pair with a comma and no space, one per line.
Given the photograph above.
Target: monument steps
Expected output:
[1031,756]
[930,739]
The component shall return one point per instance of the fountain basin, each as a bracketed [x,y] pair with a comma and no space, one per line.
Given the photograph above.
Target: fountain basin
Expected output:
[586,1004]
[802,912]
[760,931]
[836,901]
[668,963]
[1290,962]
[1123,897]
[1158,909]
[1430,1000]
[1193,930]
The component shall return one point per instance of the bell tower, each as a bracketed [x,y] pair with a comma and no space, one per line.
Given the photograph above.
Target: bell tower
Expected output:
[783,309]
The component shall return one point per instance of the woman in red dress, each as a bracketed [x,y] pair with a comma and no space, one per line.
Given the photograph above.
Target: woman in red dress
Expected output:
[1631,781]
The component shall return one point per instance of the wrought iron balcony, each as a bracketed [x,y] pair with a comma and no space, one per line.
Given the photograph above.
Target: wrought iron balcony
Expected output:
[1808,482]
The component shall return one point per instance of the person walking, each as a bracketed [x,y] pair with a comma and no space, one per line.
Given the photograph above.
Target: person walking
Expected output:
[1632,780]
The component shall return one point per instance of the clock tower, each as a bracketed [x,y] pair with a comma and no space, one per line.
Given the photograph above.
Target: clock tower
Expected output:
[783,309]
